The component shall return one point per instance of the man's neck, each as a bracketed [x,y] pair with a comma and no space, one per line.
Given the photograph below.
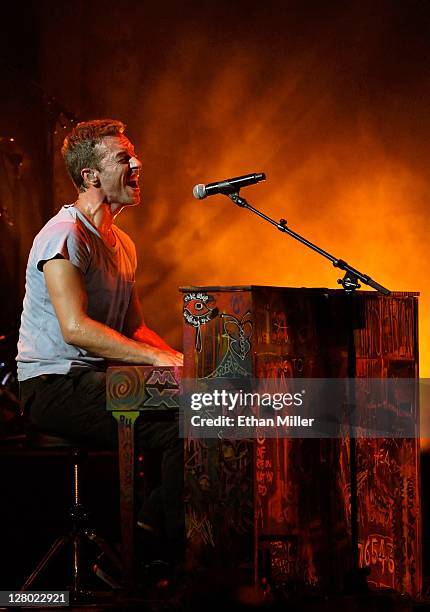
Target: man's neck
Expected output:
[99,213]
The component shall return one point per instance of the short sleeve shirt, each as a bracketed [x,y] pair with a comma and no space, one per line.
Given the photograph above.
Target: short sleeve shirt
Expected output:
[109,277]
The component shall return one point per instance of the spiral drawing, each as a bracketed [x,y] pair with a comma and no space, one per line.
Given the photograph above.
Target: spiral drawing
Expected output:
[124,388]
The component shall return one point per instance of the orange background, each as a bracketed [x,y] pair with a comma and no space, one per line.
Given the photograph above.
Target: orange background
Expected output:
[329,99]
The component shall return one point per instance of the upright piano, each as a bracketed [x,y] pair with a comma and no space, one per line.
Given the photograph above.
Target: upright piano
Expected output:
[290,510]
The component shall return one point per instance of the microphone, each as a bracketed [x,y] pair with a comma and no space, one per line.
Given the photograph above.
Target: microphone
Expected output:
[231,185]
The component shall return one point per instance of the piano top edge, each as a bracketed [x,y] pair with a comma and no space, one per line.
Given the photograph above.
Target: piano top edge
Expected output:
[219,288]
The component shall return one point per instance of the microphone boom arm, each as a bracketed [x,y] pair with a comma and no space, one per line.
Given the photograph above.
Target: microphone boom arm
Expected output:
[350,282]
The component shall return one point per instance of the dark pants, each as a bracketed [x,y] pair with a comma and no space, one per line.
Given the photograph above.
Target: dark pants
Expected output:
[74,406]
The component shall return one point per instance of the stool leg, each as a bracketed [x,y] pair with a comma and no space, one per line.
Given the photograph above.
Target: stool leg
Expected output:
[76,559]
[52,552]
[103,546]
[78,516]
[76,496]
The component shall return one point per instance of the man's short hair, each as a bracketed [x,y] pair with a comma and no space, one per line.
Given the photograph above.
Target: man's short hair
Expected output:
[80,148]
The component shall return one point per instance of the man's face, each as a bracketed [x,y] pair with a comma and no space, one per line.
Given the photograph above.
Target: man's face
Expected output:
[119,171]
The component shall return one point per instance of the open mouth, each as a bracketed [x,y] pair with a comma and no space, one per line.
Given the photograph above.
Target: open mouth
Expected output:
[133,182]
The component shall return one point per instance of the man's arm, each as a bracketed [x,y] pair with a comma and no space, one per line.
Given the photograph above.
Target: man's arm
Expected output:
[68,295]
[136,328]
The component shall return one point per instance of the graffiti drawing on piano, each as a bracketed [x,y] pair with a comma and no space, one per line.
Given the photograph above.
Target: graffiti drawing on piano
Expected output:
[198,310]
[238,333]
[388,509]
[217,480]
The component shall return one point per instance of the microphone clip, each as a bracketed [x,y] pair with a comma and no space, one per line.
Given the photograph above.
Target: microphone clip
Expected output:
[235,197]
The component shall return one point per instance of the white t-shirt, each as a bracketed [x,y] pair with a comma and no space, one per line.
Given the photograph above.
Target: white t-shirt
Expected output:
[109,274]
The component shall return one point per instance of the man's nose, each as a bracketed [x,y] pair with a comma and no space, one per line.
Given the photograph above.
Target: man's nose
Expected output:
[135,163]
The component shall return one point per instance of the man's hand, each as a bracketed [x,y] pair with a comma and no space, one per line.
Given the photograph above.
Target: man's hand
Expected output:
[167,358]
[136,329]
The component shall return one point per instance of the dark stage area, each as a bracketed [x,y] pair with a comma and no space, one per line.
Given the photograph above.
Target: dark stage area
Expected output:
[39,493]
[34,512]
[323,108]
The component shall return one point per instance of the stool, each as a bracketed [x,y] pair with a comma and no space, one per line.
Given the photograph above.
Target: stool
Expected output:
[80,528]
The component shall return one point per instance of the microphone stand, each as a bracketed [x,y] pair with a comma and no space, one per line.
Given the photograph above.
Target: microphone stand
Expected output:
[350,282]
[356,578]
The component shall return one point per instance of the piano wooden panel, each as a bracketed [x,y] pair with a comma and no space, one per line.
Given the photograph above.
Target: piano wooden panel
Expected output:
[132,391]
[284,504]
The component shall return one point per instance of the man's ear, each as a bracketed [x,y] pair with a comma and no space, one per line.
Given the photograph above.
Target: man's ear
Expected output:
[90,177]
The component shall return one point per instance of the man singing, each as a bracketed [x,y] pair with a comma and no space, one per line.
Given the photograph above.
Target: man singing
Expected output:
[81,310]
